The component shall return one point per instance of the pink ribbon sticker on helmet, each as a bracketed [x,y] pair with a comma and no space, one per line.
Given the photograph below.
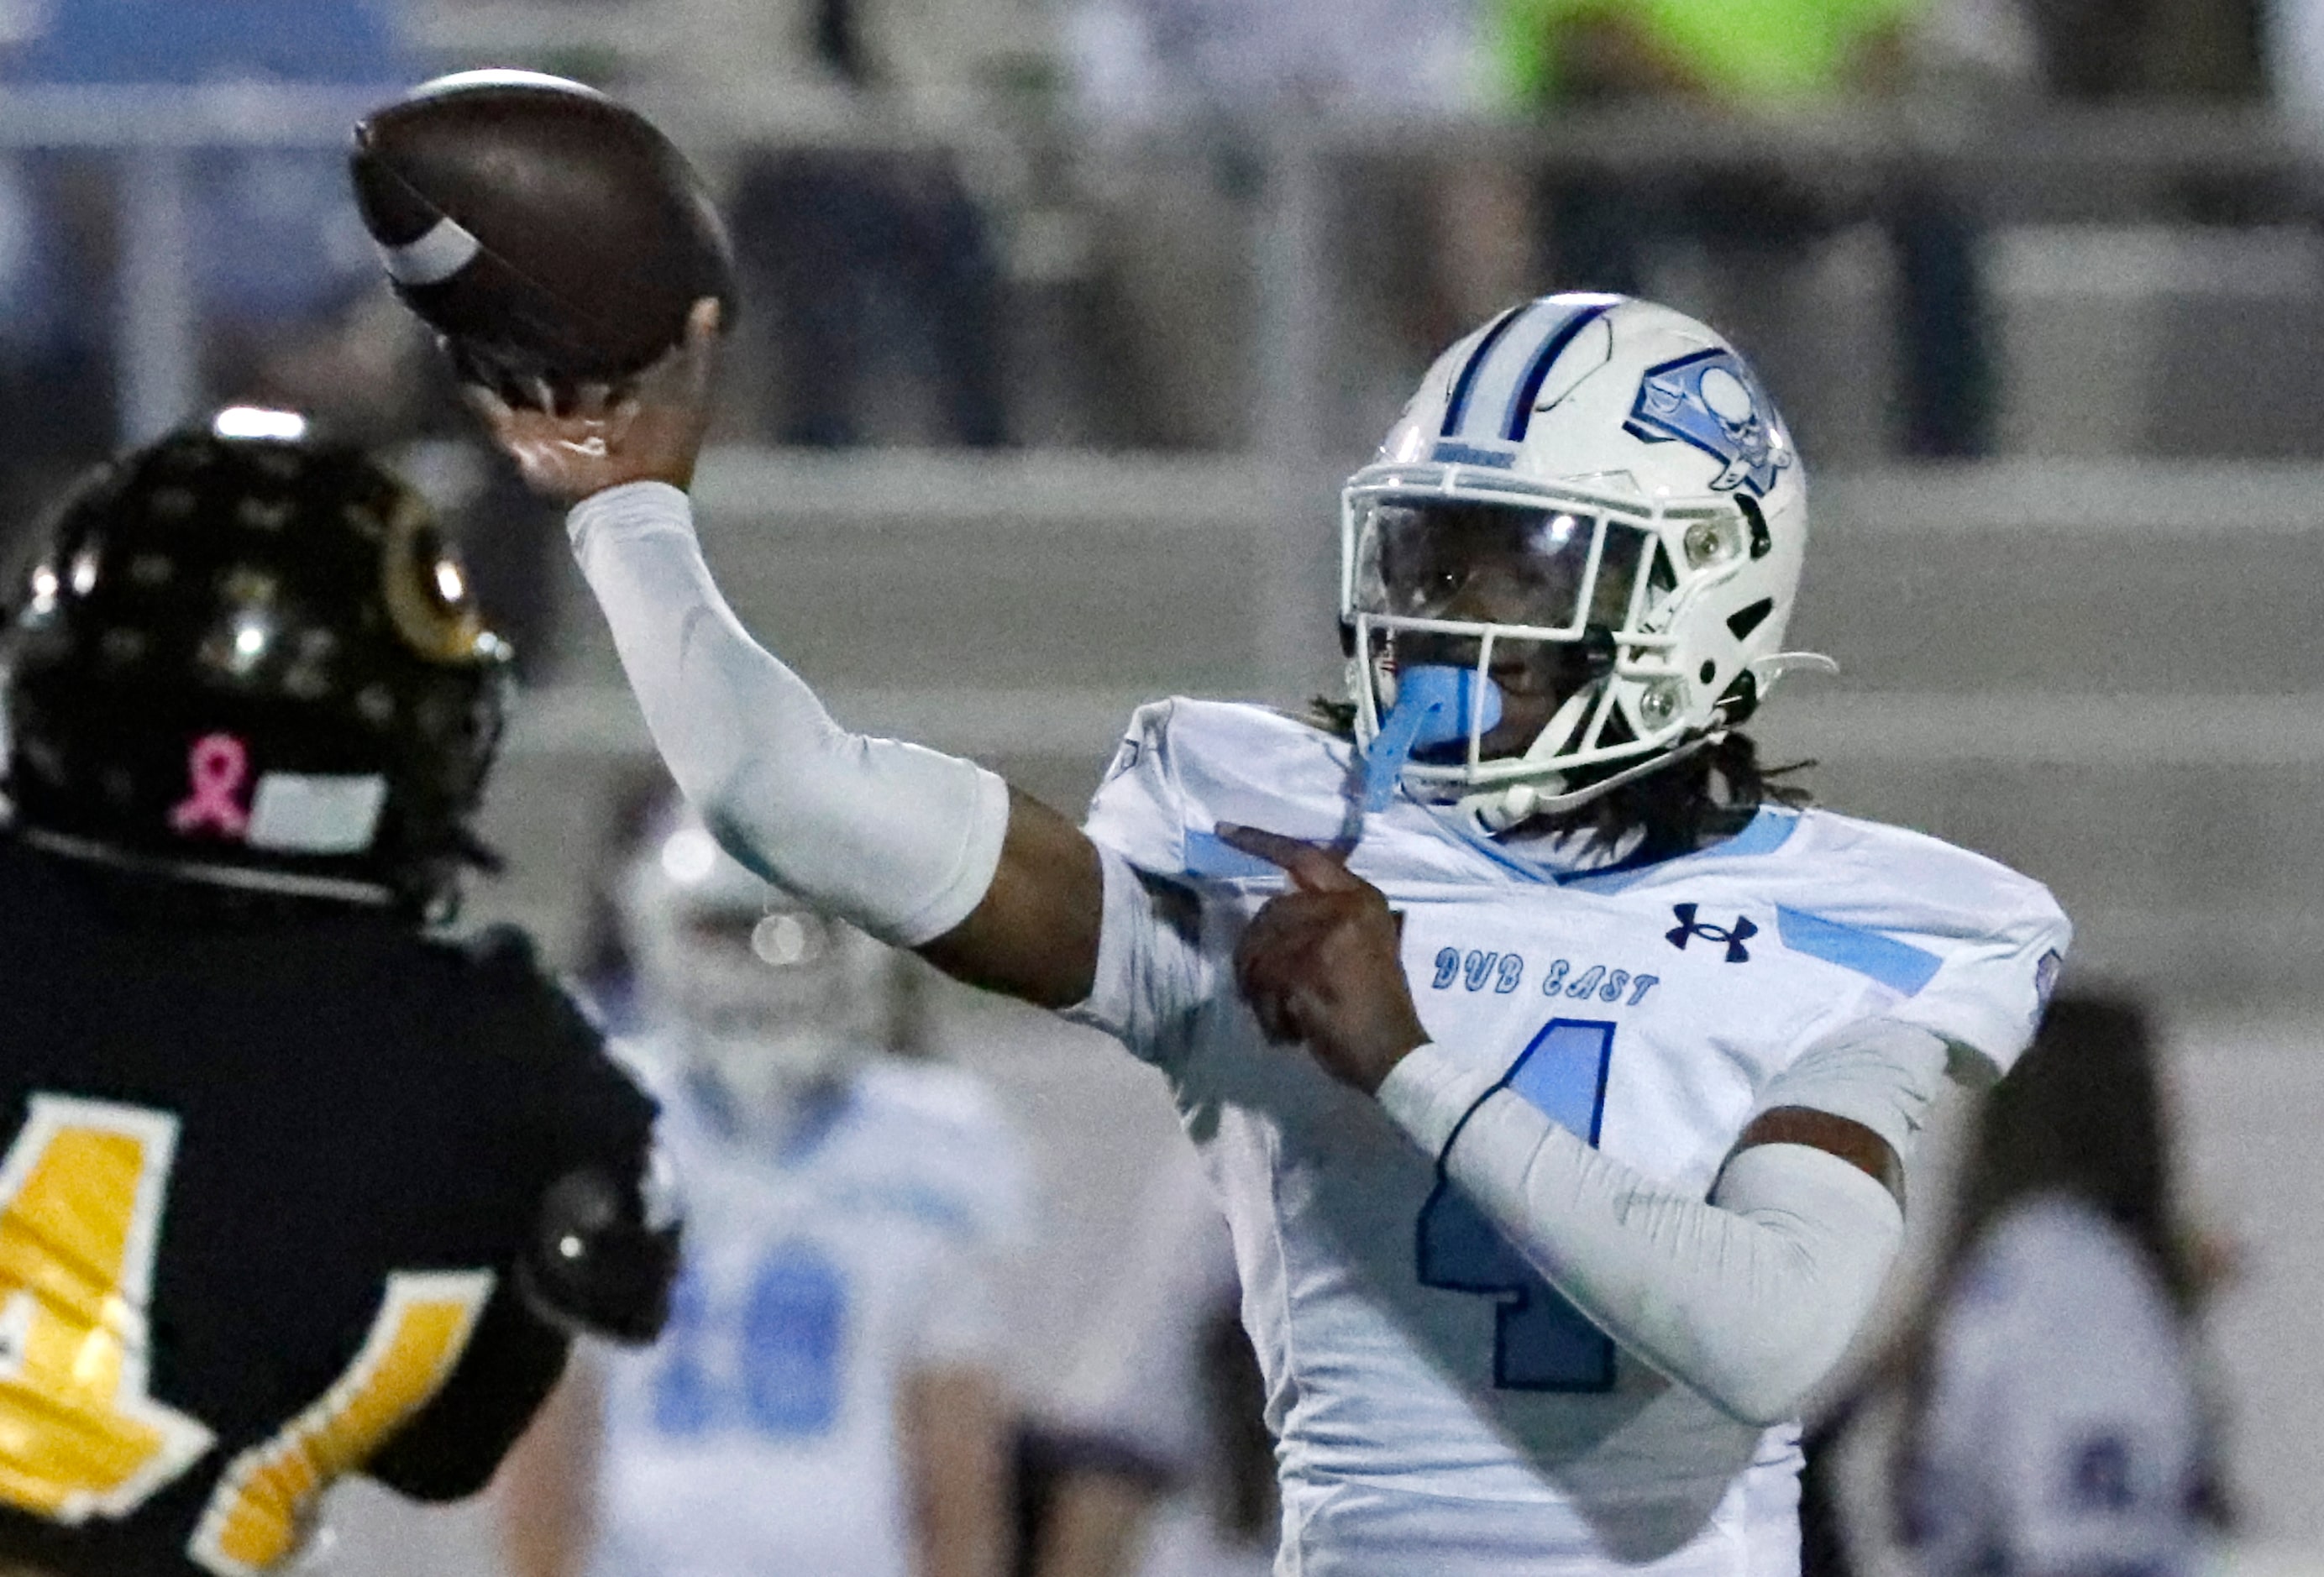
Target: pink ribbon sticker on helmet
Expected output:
[218,766]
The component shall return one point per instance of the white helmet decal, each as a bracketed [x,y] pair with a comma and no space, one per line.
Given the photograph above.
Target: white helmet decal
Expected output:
[1712,399]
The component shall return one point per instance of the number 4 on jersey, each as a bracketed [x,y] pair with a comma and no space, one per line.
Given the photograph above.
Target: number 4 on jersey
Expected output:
[1541,1342]
[81,1195]
[80,1213]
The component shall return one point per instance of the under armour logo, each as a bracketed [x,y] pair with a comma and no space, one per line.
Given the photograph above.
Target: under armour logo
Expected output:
[1734,936]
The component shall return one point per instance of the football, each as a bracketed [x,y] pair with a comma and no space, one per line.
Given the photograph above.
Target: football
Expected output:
[553,237]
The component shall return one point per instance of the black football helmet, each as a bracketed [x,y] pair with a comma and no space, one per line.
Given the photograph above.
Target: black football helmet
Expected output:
[253,661]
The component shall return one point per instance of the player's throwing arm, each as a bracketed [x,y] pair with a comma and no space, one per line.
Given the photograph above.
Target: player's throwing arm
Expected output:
[921,849]
[563,248]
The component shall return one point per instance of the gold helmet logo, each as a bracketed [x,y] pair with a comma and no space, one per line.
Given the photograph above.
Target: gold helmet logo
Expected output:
[427,588]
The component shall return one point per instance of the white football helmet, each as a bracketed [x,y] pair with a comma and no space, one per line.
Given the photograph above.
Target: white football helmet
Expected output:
[1590,499]
[764,998]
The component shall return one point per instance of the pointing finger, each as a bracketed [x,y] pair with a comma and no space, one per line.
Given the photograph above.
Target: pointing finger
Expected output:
[1310,866]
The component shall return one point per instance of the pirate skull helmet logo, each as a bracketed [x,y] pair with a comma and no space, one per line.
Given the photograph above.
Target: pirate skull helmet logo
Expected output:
[1712,400]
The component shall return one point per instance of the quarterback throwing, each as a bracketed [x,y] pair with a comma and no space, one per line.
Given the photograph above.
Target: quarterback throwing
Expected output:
[1613,1055]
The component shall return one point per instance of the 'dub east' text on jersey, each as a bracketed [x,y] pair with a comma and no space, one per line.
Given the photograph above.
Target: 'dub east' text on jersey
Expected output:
[760,1433]
[1438,1406]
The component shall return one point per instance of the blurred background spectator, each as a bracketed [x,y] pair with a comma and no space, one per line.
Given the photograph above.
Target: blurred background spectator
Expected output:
[1754,214]
[871,259]
[275,266]
[2149,50]
[2047,1408]
[272,253]
[1191,108]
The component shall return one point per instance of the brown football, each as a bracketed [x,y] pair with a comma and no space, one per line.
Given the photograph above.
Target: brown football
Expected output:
[550,235]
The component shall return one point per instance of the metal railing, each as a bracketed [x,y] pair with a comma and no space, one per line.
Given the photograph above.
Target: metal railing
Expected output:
[154,132]
[2113,165]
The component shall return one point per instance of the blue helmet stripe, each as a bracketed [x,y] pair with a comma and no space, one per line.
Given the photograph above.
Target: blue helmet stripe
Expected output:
[1529,386]
[1512,358]
[1498,366]
[1458,406]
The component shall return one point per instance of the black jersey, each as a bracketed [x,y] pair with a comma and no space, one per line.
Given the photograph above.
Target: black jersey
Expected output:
[268,1175]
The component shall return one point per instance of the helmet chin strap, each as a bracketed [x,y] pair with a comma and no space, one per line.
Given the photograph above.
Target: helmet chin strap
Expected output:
[1565,725]
[1432,707]
[1501,809]
[1497,810]
[1432,702]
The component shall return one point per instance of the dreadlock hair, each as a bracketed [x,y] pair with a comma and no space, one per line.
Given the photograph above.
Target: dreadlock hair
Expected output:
[1698,798]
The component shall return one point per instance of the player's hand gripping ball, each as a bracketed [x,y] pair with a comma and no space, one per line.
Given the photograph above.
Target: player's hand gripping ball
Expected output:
[554,238]
[651,430]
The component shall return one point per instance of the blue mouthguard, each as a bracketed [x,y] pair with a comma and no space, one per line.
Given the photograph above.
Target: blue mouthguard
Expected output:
[1432,708]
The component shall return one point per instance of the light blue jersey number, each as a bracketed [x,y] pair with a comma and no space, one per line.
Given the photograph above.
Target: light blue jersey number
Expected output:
[792,1336]
[789,1341]
[1541,1342]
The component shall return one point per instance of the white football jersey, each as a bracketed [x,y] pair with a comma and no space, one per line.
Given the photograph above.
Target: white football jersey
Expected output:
[2062,1430]
[760,1433]
[1438,1406]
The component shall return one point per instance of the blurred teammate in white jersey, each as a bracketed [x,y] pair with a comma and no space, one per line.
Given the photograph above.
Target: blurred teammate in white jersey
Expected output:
[825,1396]
[1592,1162]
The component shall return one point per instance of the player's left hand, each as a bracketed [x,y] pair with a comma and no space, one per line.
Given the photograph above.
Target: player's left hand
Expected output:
[1323,963]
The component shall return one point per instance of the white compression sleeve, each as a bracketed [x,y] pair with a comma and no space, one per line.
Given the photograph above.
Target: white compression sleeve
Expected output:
[902,840]
[1747,1297]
